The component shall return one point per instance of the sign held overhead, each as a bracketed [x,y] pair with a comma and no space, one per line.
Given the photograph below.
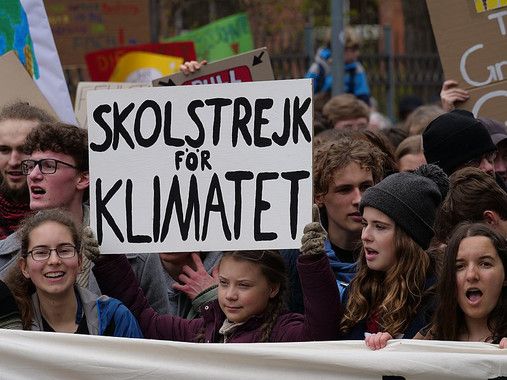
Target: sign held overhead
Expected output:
[247,67]
[201,167]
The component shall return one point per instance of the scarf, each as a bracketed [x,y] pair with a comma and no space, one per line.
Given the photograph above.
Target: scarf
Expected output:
[11,213]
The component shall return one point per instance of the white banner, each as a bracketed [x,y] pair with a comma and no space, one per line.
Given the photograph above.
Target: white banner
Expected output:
[39,355]
[210,167]
[51,80]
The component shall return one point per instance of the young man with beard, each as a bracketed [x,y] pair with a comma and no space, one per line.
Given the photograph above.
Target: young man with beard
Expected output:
[57,176]
[16,121]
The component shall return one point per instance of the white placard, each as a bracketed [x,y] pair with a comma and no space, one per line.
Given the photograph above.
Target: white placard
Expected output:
[211,167]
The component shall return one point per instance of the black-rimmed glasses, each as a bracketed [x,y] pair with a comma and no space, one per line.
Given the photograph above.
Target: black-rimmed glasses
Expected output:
[43,252]
[46,165]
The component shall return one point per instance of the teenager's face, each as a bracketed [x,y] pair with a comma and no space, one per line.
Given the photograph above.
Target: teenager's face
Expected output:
[243,291]
[378,240]
[12,137]
[357,124]
[480,276]
[63,188]
[342,201]
[54,276]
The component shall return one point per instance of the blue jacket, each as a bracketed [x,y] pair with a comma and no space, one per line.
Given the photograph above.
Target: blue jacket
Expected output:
[344,272]
[355,80]
[104,316]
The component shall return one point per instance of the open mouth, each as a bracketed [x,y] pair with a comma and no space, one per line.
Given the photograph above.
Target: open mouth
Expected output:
[370,253]
[473,294]
[37,190]
[53,275]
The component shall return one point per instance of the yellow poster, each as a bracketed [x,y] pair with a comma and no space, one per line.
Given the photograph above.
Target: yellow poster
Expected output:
[143,67]
[487,5]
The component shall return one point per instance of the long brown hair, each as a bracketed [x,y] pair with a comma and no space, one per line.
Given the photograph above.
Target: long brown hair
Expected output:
[395,294]
[21,287]
[449,319]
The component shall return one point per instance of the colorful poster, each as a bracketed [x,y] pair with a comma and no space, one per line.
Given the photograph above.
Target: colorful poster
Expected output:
[488,5]
[220,39]
[24,28]
[101,63]
[15,35]
[143,67]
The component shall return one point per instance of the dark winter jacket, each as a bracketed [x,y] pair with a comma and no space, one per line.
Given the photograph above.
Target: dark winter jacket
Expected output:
[320,321]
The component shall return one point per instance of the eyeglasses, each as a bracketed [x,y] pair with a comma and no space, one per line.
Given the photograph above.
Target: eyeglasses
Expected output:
[43,252]
[46,165]
[490,157]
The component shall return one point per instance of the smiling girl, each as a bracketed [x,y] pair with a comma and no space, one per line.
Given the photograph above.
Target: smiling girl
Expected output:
[251,291]
[44,283]
[392,289]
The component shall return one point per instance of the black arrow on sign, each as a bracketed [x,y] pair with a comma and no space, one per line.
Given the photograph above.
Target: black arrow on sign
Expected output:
[168,83]
[257,60]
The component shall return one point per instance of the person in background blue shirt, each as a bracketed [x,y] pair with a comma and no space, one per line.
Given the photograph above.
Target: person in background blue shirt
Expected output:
[356,82]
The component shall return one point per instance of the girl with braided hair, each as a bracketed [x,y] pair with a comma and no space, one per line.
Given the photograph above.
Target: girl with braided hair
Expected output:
[251,290]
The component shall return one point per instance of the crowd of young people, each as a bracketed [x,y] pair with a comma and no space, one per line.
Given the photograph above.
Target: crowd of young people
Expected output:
[396,248]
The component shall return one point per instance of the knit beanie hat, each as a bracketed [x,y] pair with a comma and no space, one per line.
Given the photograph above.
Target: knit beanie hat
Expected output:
[454,138]
[410,199]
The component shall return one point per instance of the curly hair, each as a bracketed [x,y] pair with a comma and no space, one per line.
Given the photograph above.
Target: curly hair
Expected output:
[395,294]
[449,319]
[60,138]
[21,287]
[337,154]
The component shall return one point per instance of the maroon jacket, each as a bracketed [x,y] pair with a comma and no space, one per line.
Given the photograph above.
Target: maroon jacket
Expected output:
[320,321]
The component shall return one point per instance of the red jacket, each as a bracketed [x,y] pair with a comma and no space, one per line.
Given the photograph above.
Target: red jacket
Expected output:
[320,321]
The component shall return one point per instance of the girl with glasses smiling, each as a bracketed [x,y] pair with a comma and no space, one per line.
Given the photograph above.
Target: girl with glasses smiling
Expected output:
[44,283]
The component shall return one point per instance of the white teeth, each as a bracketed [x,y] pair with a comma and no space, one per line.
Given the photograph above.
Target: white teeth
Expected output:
[54,274]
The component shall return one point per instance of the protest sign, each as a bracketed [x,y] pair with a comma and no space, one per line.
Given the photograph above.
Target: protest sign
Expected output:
[101,63]
[210,167]
[142,67]
[25,30]
[82,26]
[82,91]
[220,39]
[247,67]
[18,85]
[471,45]
[43,355]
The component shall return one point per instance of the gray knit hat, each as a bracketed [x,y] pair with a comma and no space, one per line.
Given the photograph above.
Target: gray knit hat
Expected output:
[410,199]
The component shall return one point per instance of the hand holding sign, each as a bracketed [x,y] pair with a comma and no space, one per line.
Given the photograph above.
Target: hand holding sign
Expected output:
[190,67]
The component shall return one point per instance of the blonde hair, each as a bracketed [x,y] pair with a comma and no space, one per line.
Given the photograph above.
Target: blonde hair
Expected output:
[395,294]
[345,107]
[419,119]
